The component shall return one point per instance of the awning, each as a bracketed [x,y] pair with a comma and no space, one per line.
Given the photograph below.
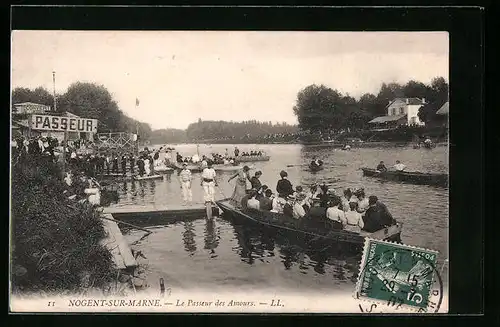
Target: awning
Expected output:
[385,119]
[444,110]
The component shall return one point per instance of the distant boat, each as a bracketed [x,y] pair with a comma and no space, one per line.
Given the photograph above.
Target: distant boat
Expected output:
[253,158]
[139,178]
[409,177]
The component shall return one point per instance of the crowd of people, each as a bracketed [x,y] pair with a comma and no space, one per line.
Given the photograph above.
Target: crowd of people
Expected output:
[352,211]
[217,158]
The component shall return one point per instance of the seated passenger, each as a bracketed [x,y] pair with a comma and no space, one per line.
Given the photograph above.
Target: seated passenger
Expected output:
[335,214]
[278,203]
[381,167]
[266,202]
[244,201]
[261,191]
[377,216]
[288,207]
[399,166]
[298,207]
[253,203]
[362,201]
[354,219]
[346,199]
[317,212]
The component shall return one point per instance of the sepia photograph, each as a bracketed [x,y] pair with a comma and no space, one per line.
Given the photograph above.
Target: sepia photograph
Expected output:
[229,171]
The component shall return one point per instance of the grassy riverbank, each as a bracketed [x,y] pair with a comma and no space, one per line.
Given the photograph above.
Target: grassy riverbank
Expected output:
[55,241]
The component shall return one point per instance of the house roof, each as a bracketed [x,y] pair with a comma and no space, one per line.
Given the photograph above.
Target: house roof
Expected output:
[411,101]
[18,123]
[444,110]
[385,119]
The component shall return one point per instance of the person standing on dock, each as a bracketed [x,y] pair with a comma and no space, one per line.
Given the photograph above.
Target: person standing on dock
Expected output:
[115,164]
[240,189]
[124,164]
[209,182]
[131,160]
[186,177]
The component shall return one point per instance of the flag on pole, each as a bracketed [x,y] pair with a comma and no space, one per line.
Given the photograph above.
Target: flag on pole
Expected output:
[136,102]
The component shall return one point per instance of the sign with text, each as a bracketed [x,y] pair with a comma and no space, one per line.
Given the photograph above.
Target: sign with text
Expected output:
[58,123]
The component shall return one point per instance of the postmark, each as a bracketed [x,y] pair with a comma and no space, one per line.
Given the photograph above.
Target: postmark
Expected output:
[398,277]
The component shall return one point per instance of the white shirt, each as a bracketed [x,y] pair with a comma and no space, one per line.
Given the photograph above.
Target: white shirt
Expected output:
[354,219]
[298,210]
[399,167]
[363,205]
[185,175]
[195,158]
[208,173]
[278,204]
[335,214]
[253,204]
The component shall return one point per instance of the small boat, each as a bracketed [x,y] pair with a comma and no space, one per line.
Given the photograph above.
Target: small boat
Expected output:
[319,230]
[197,168]
[409,177]
[163,169]
[253,158]
[139,178]
[315,168]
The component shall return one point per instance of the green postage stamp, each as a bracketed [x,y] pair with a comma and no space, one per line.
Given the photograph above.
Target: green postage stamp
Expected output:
[399,276]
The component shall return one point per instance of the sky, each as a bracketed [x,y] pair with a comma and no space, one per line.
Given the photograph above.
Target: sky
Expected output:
[180,76]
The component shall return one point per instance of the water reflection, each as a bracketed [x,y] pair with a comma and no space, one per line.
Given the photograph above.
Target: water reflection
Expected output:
[212,237]
[295,251]
[152,185]
[188,237]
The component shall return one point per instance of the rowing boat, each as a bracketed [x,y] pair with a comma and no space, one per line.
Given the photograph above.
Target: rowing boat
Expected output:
[253,158]
[319,230]
[197,168]
[139,178]
[409,177]
[315,168]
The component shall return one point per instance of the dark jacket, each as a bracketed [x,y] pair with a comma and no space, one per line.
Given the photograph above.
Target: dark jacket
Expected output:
[377,217]
[381,167]
[284,187]
[288,210]
[256,184]
[266,203]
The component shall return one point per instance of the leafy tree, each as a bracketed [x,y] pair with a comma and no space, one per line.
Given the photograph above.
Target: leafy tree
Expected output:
[39,95]
[90,100]
[439,95]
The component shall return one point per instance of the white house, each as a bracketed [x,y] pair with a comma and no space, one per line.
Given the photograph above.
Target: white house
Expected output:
[402,111]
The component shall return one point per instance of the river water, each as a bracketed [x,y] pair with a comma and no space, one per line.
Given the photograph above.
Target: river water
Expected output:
[221,255]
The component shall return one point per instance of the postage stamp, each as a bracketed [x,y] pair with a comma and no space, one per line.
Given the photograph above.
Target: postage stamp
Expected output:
[399,276]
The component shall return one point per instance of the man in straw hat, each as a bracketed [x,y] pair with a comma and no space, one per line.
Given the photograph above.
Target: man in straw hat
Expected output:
[185,178]
[209,182]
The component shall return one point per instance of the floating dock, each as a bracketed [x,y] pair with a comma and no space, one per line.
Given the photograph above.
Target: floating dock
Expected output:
[116,244]
[157,215]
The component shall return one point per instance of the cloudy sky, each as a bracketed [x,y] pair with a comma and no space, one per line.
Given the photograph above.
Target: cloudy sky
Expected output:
[179,77]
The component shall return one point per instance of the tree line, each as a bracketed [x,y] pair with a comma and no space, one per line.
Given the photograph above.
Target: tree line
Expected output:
[220,130]
[321,108]
[86,100]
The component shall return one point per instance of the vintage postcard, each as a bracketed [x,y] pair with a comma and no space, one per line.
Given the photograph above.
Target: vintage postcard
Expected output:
[229,171]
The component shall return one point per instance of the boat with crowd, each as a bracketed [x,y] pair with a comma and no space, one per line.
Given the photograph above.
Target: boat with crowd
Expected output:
[197,168]
[411,177]
[318,230]
[253,158]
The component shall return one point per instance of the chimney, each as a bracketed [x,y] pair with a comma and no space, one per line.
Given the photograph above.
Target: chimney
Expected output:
[423,100]
[407,101]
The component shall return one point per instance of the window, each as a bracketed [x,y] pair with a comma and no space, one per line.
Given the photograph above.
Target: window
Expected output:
[401,110]
[393,111]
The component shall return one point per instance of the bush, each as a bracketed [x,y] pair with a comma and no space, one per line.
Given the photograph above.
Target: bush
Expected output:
[55,240]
